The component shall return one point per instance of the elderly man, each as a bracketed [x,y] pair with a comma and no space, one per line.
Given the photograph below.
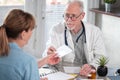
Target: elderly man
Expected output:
[83,38]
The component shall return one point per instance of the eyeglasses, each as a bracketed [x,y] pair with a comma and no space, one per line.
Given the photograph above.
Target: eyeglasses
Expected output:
[73,17]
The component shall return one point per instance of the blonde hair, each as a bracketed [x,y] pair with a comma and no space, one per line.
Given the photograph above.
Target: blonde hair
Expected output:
[16,22]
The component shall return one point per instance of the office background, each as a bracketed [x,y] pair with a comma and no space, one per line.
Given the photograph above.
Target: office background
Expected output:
[49,12]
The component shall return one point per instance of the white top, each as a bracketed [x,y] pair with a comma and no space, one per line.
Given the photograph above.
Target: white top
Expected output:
[94,46]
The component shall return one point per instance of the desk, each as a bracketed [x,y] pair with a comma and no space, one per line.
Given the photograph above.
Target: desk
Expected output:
[111,72]
[63,75]
[102,78]
[61,65]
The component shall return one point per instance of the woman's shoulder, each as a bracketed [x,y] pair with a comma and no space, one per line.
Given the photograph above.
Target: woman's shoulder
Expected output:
[26,57]
[21,57]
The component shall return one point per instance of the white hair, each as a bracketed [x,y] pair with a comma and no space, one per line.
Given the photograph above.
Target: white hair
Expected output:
[79,2]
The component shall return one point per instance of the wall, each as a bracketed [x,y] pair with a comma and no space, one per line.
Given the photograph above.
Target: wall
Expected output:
[115,5]
[4,10]
[110,27]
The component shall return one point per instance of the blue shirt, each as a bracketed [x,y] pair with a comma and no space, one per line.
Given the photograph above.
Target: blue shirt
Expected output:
[18,65]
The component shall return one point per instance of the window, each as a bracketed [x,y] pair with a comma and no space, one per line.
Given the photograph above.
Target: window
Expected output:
[11,2]
[54,12]
[7,5]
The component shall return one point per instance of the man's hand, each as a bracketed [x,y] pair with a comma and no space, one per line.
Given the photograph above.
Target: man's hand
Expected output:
[53,59]
[86,70]
[51,50]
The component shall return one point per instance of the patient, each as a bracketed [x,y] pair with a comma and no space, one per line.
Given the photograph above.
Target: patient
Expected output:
[15,64]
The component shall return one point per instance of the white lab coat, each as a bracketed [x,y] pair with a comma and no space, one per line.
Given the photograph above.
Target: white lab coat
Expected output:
[94,46]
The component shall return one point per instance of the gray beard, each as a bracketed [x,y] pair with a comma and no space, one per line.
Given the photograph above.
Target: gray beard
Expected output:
[70,28]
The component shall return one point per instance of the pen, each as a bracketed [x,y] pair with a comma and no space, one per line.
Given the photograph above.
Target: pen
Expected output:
[56,67]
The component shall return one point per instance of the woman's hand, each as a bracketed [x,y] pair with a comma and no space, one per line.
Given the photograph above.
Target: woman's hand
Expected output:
[51,50]
[44,78]
[53,59]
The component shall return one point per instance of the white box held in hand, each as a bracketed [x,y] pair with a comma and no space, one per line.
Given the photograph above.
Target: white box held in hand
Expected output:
[63,50]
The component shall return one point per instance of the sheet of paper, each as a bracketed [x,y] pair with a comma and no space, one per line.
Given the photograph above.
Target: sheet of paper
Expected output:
[53,74]
[63,50]
[71,69]
[59,76]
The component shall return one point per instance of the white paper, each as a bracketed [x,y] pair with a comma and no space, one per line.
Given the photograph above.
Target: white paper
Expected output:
[63,50]
[53,74]
[71,69]
[59,76]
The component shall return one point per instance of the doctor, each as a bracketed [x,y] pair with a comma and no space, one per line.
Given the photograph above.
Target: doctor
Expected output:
[85,39]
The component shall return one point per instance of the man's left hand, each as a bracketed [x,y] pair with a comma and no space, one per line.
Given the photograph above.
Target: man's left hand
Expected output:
[85,70]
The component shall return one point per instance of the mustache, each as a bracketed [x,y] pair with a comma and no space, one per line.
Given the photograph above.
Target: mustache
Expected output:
[70,28]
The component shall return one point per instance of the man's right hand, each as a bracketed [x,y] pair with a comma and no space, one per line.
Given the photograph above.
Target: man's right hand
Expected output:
[51,50]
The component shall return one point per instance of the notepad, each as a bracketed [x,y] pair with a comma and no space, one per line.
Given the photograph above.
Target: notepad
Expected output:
[54,75]
[63,50]
[45,71]
[59,76]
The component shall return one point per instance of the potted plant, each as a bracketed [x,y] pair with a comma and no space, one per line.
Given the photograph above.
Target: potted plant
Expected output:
[102,69]
[108,4]
[110,1]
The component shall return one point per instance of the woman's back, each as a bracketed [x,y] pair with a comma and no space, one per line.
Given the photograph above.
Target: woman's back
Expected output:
[18,65]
